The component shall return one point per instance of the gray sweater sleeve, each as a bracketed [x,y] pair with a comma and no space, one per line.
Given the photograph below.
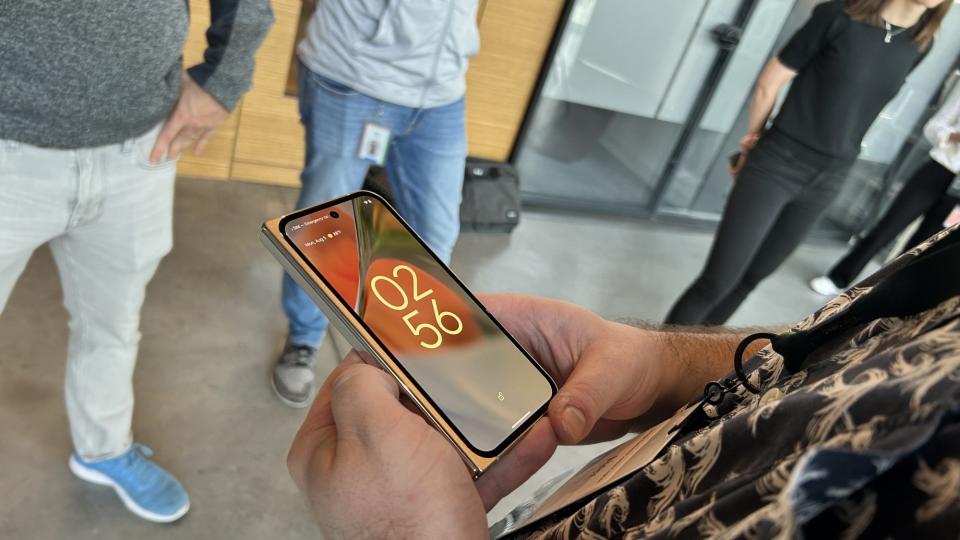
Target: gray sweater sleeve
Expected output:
[236,29]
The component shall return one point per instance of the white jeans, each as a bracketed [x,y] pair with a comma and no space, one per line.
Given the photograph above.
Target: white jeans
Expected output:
[107,213]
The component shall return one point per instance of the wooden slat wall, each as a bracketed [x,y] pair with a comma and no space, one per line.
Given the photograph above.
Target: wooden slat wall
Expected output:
[263,140]
[514,38]
[270,134]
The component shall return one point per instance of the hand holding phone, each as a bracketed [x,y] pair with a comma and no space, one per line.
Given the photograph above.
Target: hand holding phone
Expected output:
[405,310]
[611,373]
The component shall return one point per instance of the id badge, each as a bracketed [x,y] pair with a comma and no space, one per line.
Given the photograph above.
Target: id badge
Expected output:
[373,143]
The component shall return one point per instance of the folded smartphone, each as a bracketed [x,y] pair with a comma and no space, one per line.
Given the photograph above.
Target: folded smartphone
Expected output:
[402,308]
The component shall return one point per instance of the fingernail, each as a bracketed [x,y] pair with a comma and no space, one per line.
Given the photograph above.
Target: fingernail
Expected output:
[341,380]
[352,358]
[573,421]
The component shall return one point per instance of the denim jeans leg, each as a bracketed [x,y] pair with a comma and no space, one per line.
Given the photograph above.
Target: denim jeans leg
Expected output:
[426,167]
[333,116]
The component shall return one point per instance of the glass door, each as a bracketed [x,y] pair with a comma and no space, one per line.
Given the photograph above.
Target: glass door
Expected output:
[889,151]
[617,100]
[641,107]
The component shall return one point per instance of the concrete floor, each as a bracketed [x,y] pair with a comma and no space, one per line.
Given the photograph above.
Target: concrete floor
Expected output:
[212,325]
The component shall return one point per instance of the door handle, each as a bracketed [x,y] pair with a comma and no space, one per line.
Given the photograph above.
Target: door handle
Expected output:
[727,36]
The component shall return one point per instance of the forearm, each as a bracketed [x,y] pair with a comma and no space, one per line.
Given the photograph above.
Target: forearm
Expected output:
[236,29]
[771,80]
[694,356]
[761,106]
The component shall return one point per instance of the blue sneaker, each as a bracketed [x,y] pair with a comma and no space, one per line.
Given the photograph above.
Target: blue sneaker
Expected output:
[145,488]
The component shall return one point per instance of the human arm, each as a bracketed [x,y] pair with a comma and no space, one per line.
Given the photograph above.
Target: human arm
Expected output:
[370,467]
[806,44]
[772,79]
[615,376]
[211,89]
[944,126]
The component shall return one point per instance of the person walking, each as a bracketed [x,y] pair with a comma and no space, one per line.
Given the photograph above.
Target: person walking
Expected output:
[848,60]
[93,113]
[381,82]
[924,194]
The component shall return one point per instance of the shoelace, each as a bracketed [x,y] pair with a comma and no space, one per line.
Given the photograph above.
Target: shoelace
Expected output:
[140,467]
[299,356]
[143,449]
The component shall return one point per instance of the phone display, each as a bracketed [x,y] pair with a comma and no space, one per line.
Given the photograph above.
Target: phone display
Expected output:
[471,370]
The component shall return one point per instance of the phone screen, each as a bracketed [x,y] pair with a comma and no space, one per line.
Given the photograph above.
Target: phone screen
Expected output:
[458,355]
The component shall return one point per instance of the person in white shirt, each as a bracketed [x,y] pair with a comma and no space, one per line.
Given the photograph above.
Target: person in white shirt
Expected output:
[924,194]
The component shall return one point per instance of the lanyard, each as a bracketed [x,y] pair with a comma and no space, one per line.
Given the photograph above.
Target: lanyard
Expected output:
[921,284]
[918,285]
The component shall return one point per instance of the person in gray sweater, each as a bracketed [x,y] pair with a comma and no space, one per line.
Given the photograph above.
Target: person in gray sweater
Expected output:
[94,111]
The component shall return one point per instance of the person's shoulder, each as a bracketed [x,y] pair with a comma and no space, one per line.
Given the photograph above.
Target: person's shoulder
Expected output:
[831,16]
[832,9]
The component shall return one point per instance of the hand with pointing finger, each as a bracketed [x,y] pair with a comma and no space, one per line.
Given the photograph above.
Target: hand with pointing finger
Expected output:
[193,119]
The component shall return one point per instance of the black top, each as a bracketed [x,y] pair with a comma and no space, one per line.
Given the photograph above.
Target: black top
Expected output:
[846,74]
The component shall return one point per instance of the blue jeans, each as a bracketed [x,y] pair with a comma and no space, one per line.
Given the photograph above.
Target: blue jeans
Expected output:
[425,164]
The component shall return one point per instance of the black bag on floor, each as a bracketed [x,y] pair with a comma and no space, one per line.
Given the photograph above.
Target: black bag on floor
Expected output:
[491,197]
[377,182]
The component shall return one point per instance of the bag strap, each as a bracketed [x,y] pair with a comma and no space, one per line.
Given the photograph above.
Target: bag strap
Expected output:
[922,284]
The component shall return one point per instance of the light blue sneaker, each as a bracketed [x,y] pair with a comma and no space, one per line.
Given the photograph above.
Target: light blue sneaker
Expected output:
[145,488]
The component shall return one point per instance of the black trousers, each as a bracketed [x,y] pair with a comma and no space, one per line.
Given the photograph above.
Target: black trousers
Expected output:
[776,200]
[923,194]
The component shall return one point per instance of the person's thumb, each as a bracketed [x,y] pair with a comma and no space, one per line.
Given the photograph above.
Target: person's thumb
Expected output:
[607,384]
[364,401]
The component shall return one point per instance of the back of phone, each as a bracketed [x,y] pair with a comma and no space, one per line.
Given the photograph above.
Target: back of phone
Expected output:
[451,356]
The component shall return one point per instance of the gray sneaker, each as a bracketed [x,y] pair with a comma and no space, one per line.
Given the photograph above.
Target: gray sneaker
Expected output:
[293,378]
